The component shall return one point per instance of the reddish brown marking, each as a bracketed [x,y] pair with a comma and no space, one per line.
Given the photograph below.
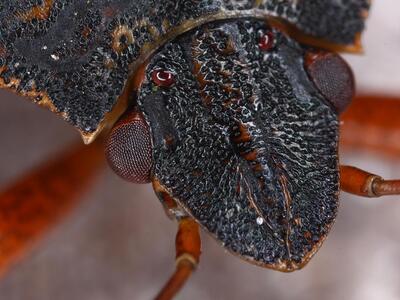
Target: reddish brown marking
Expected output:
[257,168]
[244,135]
[44,101]
[41,12]
[197,173]
[250,156]
[169,204]
[230,90]
[139,77]
[169,140]
[168,201]
[86,32]
[288,203]
[228,50]
[124,100]
[109,63]
[166,25]
[312,56]
[225,73]
[122,37]
[109,12]
[31,206]
[372,123]
[206,100]
[238,186]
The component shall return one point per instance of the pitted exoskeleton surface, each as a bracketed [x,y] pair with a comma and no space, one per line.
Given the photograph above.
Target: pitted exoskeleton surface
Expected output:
[244,141]
[75,57]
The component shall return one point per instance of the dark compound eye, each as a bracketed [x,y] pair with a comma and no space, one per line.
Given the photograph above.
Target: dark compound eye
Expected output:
[332,76]
[266,41]
[129,149]
[163,78]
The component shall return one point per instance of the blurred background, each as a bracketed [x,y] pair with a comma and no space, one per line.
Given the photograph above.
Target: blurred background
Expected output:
[120,245]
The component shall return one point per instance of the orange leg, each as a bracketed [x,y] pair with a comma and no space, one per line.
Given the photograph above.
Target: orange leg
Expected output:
[370,123]
[36,202]
[362,183]
[187,257]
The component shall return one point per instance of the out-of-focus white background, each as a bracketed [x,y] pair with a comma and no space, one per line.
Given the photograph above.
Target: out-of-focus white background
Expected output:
[120,245]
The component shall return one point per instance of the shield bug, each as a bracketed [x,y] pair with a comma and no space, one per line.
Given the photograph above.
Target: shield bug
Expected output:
[230,109]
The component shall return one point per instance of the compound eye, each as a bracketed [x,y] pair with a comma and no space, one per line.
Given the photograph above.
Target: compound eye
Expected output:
[332,76]
[163,78]
[129,148]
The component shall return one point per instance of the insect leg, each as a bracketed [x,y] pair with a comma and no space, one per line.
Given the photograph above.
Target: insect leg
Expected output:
[187,245]
[372,123]
[362,183]
[33,204]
